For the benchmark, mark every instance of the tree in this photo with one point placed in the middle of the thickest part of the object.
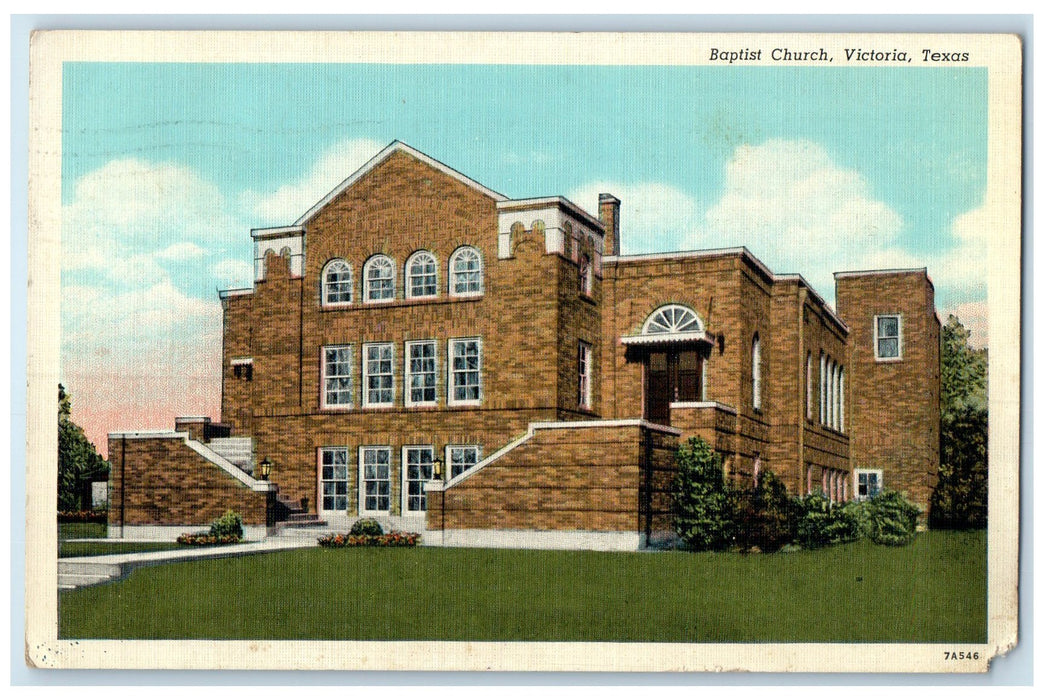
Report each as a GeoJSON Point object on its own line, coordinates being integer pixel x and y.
{"type": "Point", "coordinates": [78, 462]}
{"type": "Point", "coordinates": [703, 508]}
{"type": "Point", "coordinates": [959, 500]}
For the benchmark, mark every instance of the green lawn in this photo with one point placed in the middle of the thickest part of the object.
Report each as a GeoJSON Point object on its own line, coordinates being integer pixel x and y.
{"type": "Point", "coordinates": [74, 531]}
{"type": "Point", "coordinates": [932, 591]}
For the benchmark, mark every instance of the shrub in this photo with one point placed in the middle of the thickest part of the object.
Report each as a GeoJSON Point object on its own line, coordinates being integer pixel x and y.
{"type": "Point", "coordinates": [392, 539]}
{"type": "Point", "coordinates": [228, 525]}
{"type": "Point", "coordinates": [888, 519]}
{"type": "Point", "coordinates": [765, 515]}
{"type": "Point", "coordinates": [83, 516]}
{"type": "Point", "coordinates": [819, 524]}
{"type": "Point", "coordinates": [703, 505]}
{"type": "Point", "coordinates": [366, 526]}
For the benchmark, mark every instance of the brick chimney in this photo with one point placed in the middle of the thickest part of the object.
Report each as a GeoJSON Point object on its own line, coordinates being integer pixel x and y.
{"type": "Point", "coordinates": [609, 215]}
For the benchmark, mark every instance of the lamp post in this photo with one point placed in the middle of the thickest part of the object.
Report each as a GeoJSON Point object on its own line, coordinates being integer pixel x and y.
{"type": "Point", "coordinates": [265, 469]}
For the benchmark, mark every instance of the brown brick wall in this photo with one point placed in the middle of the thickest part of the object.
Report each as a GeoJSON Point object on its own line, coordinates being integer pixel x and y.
{"type": "Point", "coordinates": [168, 483]}
{"type": "Point", "coordinates": [565, 479]}
{"type": "Point", "coordinates": [894, 405]}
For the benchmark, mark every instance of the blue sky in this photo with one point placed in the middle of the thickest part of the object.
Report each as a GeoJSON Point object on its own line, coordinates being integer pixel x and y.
{"type": "Point", "coordinates": [166, 167]}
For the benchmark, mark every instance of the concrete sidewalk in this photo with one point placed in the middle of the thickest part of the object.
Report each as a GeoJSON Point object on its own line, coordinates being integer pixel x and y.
{"type": "Point", "coordinates": [76, 572]}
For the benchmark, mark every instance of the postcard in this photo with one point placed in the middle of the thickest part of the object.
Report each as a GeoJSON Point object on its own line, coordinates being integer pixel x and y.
{"type": "Point", "coordinates": [523, 351]}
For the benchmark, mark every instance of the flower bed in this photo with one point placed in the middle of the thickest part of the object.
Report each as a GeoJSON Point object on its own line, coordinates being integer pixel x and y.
{"type": "Point", "coordinates": [202, 539]}
{"type": "Point", "coordinates": [391, 539]}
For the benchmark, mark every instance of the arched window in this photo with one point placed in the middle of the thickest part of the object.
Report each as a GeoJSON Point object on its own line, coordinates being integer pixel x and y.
{"type": "Point", "coordinates": [379, 278]}
{"type": "Point", "coordinates": [841, 399]}
{"type": "Point", "coordinates": [673, 318]}
{"type": "Point", "coordinates": [421, 276]}
{"type": "Point", "coordinates": [755, 370]}
{"type": "Point", "coordinates": [465, 266]}
{"type": "Point", "coordinates": [337, 283]}
{"type": "Point", "coordinates": [585, 275]}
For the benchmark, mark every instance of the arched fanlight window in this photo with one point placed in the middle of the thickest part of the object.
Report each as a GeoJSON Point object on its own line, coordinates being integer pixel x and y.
{"type": "Point", "coordinates": [673, 318]}
{"type": "Point", "coordinates": [379, 278]}
{"type": "Point", "coordinates": [421, 275]}
{"type": "Point", "coordinates": [465, 268]}
{"type": "Point", "coordinates": [337, 283]}
{"type": "Point", "coordinates": [755, 370]}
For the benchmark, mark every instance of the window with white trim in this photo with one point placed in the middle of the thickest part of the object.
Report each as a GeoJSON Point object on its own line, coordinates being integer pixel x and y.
{"type": "Point", "coordinates": [809, 399]}
{"type": "Point", "coordinates": [822, 387]}
{"type": "Point", "coordinates": [421, 373]}
{"type": "Point", "coordinates": [421, 276]}
{"type": "Point", "coordinates": [374, 480]}
{"type": "Point", "coordinates": [243, 368]}
{"type": "Point", "coordinates": [888, 337]}
{"type": "Point", "coordinates": [379, 278]}
{"type": "Point", "coordinates": [586, 277]}
{"type": "Point", "coordinates": [337, 283]}
{"type": "Point", "coordinates": [841, 399]}
{"type": "Point", "coordinates": [378, 374]}
{"type": "Point", "coordinates": [337, 376]}
{"type": "Point", "coordinates": [869, 483]}
{"type": "Point", "coordinates": [465, 266]}
{"type": "Point", "coordinates": [584, 375]}
{"type": "Point", "coordinates": [465, 371]}
{"type": "Point", "coordinates": [755, 371]}
{"type": "Point", "coordinates": [461, 458]}
{"type": "Point", "coordinates": [418, 467]}
{"type": "Point", "coordinates": [333, 478]}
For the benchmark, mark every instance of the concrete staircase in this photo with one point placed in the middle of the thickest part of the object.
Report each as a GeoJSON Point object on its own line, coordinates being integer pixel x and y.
{"type": "Point", "coordinates": [238, 450]}
{"type": "Point", "coordinates": [296, 516]}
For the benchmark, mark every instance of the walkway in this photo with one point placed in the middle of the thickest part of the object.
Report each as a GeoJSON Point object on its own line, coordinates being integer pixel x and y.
{"type": "Point", "coordinates": [76, 572]}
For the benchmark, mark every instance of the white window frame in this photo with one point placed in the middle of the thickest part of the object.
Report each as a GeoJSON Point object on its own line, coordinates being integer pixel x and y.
{"type": "Point", "coordinates": [411, 276]}
{"type": "Point", "coordinates": [405, 492]}
{"type": "Point", "coordinates": [822, 387]}
{"type": "Point", "coordinates": [449, 458]}
{"type": "Point", "coordinates": [368, 373]}
{"type": "Point", "coordinates": [855, 483]}
{"type": "Point", "coordinates": [583, 362]}
{"type": "Point", "coordinates": [454, 273]}
{"type": "Point", "coordinates": [325, 285]}
{"type": "Point", "coordinates": [324, 378]}
{"type": "Point", "coordinates": [363, 510]}
{"type": "Point", "coordinates": [408, 373]}
{"type": "Point", "coordinates": [322, 481]}
{"type": "Point", "coordinates": [755, 371]}
{"type": "Point", "coordinates": [384, 261]}
{"type": "Point", "coordinates": [841, 399]}
{"type": "Point", "coordinates": [809, 387]}
{"type": "Point", "coordinates": [899, 338]}
{"type": "Point", "coordinates": [451, 373]}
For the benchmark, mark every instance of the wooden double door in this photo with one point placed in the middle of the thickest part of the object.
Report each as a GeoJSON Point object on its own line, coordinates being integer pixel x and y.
{"type": "Point", "coordinates": [672, 374]}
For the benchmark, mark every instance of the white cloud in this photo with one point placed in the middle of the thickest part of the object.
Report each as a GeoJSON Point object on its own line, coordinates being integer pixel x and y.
{"type": "Point", "coordinates": [233, 273]}
{"type": "Point", "coordinates": [289, 202]}
{"type": "Point", "coordinates": [655, 217]}
{"type": "Point", "coordinates": [185, 250]}
{"type": "Point", "coordinates": [137, 358]}
{"type": "Point", "coordinates": [962, 267]}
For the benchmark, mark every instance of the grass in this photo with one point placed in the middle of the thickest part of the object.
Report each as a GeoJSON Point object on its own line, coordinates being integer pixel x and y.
{"type": "Point", "coordinates": [931, 591]}
{"type": "Point", "coordinates": [75, 531]}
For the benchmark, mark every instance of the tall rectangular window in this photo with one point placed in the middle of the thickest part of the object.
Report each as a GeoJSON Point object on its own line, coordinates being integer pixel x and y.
{"type": "Point", "coordinates": [378, 379]}
{"type": "Point", "coordinates": [337, 376]}
{"type": "Point", "coordinates": [333, 477]}
{"type": "Point", "coordinates": [465, 371]}
{"type": "Point", "coordinates": [809, 400]}
{"type": "Point", "coordinates": [888, 338]}
{"type": "Point", "coordinates": [417, 471]}
{"type": "Point", "coordinates": [420, 373]}
{"type": "Point", "coordinates": [374, 480]}
{"type": "Point", "coordinates": [584, 372]}
{"type": "Point", "coordinates": [461, 458]}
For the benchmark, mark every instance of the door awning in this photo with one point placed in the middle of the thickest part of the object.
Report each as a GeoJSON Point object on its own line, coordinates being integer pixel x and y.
{"type": "Point", "coordinates": [668, 338]}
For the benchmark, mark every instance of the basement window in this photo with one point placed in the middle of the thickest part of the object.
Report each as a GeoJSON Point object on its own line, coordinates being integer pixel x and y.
{"type": "Point", "coordinates": [869, 483]}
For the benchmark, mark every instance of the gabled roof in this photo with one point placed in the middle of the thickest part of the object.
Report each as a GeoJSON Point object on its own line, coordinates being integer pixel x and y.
{"type": "Point", "coordinates": [389, 150]}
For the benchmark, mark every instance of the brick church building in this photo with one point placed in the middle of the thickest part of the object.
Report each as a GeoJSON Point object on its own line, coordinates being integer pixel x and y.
{"type": "Point", "coordinates": [421, 349]}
